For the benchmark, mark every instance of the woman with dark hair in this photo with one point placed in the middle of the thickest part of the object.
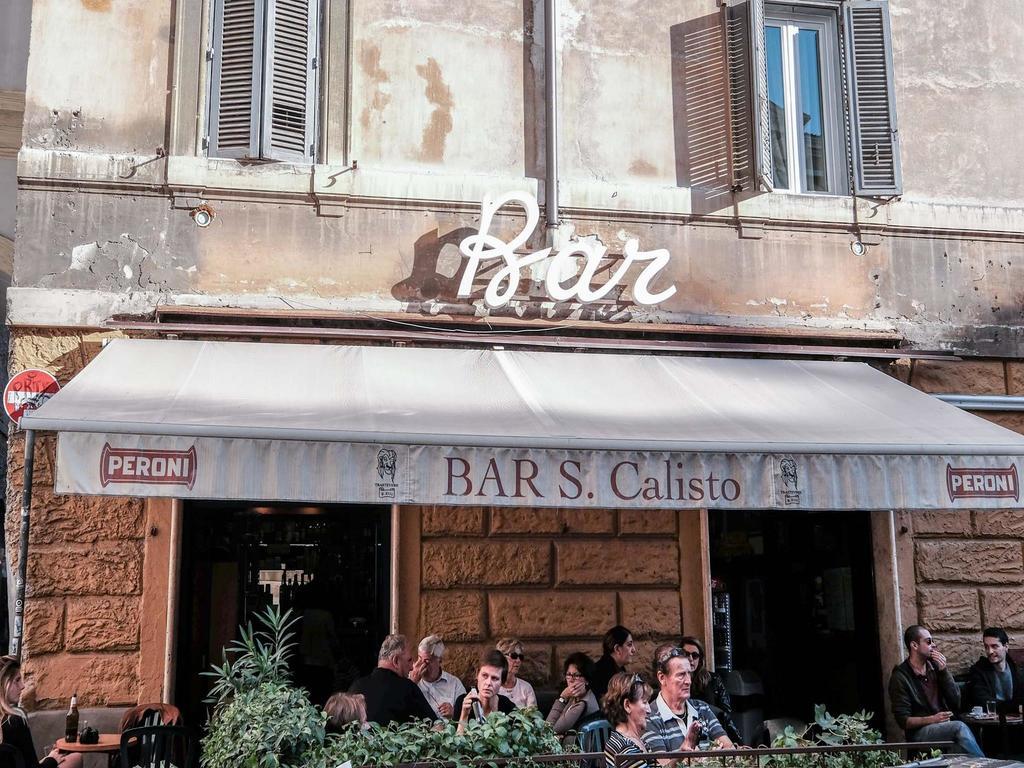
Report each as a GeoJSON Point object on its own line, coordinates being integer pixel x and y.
{"type": "Point", "coordinates": [619, 650]}
{"type": "Point", "coordinates": [625, 705]}
{"type": "Point", "coordinates": [14, 727]}
{"type": "Point", "coordinates": [491, 672]}
{"type": "Point", "coordinates": [576, 701]}
{"type": "Point", "coordinates": [708, 687]}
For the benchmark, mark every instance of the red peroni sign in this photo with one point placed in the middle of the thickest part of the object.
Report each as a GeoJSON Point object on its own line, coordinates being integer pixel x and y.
{"type": "Point", "coordinates": [966, 483]}
{"type": "Point", "coordinates": [144, 467]}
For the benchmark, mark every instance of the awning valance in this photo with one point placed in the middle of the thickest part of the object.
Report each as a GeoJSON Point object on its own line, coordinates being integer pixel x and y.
{"type": "Point", "coordinates": [323, 423]}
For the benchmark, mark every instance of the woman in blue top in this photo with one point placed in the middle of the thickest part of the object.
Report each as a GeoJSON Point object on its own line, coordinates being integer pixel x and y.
{"type": "Point", "coordinates": [625, 705]}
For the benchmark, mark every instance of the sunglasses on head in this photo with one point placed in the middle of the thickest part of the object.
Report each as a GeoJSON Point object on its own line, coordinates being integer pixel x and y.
{"type": "Point", "coordinates": [671, 653]}
{"type": "Point", "coordinates": [637, 683]}
{"type": "Point", "coordinates": [516, 656]}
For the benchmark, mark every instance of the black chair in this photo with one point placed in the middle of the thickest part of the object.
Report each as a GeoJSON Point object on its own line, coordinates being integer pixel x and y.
{"type": "Point", "coordinates": [10, 757]}
{"type": "Point", "coordinates": [157, 746]}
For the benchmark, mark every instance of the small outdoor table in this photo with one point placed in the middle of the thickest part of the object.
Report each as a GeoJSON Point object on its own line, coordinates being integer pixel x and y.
{"type": "Point", "coordinates": [108, 744]}
{"type": "Point", "coordinates": [982, 723]}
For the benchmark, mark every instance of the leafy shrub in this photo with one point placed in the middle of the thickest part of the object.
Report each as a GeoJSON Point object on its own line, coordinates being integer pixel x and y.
{"type": "Point", "coordinates": [830, 731]}
{"type": "Point", "coordinates": [270, 726]}
{"type": "Point", "coordinates": [519, 734]}
{"type": "Point", "coordinates": [259, 719]}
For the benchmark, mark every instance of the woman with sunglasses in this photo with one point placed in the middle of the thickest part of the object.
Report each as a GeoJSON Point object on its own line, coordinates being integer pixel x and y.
{"type": "Point", "coordinates": [515, 688]}
{"type": "Point", "coordinates": [625, 705]}
{"type": "Point", "coordinates": [14, 727]}
{"type": "Point", "coordinates": [576, 701]}
{"type": "Point", "coordinates": [708, 686]}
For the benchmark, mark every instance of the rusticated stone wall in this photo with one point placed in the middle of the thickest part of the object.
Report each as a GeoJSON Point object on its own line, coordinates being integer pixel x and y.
{"type": "Point", "coordinates": [968, 566]}
{"type": "Point", "coordinates": [969, 570]}
{"type": "Point", "coordinates": [85, 568]}
{"type": "Point", "coordinates": [557, 579]}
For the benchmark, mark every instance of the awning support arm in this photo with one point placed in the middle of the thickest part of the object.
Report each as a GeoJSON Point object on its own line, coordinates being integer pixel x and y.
{"type": "Point", "coordinates": [26, 505]}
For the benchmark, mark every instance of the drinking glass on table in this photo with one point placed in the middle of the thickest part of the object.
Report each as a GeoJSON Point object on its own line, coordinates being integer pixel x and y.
{"type": "Point", "coordinates": [990, 707]}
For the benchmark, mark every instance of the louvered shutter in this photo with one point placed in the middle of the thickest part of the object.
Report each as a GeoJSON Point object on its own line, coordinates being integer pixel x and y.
{"type": "Point", "coordinates": [289, 114]}
{"type": "Point", "coordinates": [762, 135]}
{"type": "Point", "coordinates": [741, 99]}
{"type": "Point", "coordinates": [748, 96]}
{"type": "Point", "coordinates": [236, 81]}
{"type": "Point", "coordinates": [875, 138]}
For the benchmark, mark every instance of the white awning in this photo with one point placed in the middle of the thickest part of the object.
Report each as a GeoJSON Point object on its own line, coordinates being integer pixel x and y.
{"type": "Point", "coordinates": [323, 423]}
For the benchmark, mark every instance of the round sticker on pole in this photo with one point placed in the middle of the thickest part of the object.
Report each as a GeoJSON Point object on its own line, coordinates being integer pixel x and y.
{"type": "Point", "coordinates": [28, 390]}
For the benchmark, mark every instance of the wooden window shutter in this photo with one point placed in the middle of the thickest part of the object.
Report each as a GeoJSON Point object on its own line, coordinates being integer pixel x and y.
{"type": "Point", "coordinates": [872, 101]}
{"type": "Point", "coordinates": [289, 111]}
{"type": "Point", "coordinates": [236, 82]}
{"type": "Point", "coordinates": [748, 96]}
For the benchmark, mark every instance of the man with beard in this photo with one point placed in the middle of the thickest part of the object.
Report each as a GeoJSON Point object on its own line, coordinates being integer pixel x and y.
{"type": "Point", "coordinates": [995, 676]}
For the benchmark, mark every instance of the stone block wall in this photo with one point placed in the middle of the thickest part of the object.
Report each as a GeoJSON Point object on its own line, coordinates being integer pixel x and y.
{"type": "Point", "coordinates": [969, 565]}
{"type": "Point", "coordinates": [555, 578]}
{"type": "Point", "coordinates": [85, 569]}
{"type": "Point", "coordinates": [969, 572]}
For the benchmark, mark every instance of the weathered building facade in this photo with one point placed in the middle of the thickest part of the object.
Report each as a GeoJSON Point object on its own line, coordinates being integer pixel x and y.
{"type": "Point", "coordinates": [345, 207]}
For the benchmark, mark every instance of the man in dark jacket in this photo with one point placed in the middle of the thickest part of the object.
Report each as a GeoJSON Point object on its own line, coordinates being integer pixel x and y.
{"type": "Point", "coordinates": [994, 676]}
{"type": "Point", "coordinates": [924, 697]}
{"type": "Point", "coordinates": [390, 695]}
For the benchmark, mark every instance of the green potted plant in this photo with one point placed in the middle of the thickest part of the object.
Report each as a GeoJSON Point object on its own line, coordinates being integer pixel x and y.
{"type": "Point", "coordinates": [259, 719]}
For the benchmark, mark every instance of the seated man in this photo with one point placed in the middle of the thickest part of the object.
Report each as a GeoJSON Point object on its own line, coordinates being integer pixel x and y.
{"type": "Point", "coordinates": [995, 676]}
{"type": "Point", "coordinates": [490, 674]}
{"type": "Point", "coordinates": [924, 696]}
{"type": "Point", "coordinates": [390, 695]}
{"type": "Point", "coordinates": [678, 723]}
{"type": "Point", "coordinates": [440, 689]}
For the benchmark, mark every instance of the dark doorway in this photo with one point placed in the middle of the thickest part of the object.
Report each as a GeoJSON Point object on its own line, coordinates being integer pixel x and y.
{"type": "Point", "coordinates": [329, 565]}
{"type": "Point", "coordinates": [801, 609]}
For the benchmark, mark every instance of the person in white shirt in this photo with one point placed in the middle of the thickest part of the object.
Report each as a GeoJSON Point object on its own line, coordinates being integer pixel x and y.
{"type": "Point", "coordinates": [439, 688]}
{"type": "Point", "coordinates": [518, 690]}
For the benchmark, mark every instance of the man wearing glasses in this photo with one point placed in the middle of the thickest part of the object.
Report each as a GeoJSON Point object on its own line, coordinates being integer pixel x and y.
{"type": "Point", "coordinates": [924, 696]}
{"type": "Point", "coordinates": [678, 723]}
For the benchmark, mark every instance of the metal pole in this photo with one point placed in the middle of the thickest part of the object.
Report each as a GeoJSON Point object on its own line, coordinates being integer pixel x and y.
{"type": "Point", "coordinates": [26, 504]}
{"type": "Point", "coordinates": [551, 114]}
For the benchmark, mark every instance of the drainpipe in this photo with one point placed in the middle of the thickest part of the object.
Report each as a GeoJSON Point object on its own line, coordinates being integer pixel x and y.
{"type": "Point", "coordinates": [26, 504]}
{"type": "Point", "coordinates": [551, 117]}
{"type": "Point", "coordinates": [984, 402]}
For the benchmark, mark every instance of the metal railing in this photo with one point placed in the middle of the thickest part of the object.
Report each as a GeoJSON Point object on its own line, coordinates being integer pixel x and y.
{"type": "Point", "coordinates": [760, 756]}
{"type": "Point", "coordinates": [719, 758]}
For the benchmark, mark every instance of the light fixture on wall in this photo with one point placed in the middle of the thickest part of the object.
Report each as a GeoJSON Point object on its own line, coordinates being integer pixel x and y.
{"type": "Point", "coordinates": [203, 215]}
{"type": "Point", "coordinates": [858, 248]}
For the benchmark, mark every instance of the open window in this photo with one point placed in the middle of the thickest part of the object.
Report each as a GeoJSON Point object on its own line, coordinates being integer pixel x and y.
{"type": "Point", "coordinates": [812, 108]}
{"type": "Point", "coordinates": [263, 83]}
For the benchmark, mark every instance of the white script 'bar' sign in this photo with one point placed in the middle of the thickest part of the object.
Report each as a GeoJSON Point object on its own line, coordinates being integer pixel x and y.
{"type": "Point", "coordinates": [502, 286]}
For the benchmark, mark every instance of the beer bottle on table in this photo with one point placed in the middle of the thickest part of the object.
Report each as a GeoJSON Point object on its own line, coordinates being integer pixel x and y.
{"type": "Point", "coordinates": [71, 723]}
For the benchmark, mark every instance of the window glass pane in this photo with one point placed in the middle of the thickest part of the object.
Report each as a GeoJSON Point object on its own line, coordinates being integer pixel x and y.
{"type": "Point", "coordinates": [808, 62]}
{"type": "Point", "coordinates": [776, 106]}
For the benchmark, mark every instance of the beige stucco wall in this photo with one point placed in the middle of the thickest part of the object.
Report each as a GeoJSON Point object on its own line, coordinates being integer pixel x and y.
{"type": "Point", "coordinates": [446, 105]}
